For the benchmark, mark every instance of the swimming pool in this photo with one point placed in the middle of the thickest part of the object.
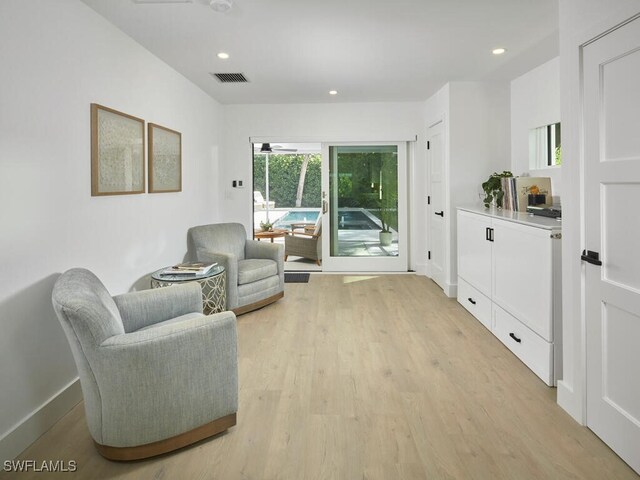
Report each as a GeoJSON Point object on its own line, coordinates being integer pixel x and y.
{"type": "Point", "coordinates": [297, 216]}
{"type": "Point", "coordinates": [348, 219]}
{"type": "Point", "coordinates": [357, 219]}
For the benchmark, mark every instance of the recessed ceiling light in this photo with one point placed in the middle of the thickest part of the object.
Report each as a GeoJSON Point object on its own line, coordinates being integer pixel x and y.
{"type": "Point", "coordinates": [498, 51]}
{"type": "Point", "coordinates": [333, 92]}
{"type": "Point", "coordinates": [223, 55]}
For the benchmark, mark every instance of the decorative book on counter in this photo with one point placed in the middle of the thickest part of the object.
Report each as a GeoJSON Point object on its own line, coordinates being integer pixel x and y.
{"type": "Point", "coordinates": [190, 268]}
{"type": "Point", "coordinates": [521, 192]}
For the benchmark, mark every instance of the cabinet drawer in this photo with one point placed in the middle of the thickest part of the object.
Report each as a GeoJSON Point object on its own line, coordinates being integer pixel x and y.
{"type": "Point", "coordinates": [529, 347]}
{"type": "Point", "coordinates": [478, 305]}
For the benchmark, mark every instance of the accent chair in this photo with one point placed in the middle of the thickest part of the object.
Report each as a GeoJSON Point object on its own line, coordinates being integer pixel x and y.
{"type": "Point", "coordinates": [255, 270]}
{"type": "Point", "coordinates": [156, 374]}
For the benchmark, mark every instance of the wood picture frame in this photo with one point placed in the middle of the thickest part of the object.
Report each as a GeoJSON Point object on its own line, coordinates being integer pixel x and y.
{"type": "Point", "coordinates": [117, 152]}
{"type": "Point", "coordinates": [165, 159]}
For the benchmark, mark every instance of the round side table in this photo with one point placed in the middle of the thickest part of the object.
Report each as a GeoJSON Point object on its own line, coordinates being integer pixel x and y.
{"type": "Point", "coordinates": [213, 285]}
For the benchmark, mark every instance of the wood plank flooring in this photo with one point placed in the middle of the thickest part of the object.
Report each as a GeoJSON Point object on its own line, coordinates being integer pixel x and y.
{"type": "Point", "coordinates": [371, 377]}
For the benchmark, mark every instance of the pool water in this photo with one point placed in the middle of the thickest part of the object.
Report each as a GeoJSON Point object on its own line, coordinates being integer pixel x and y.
{"type": "Point", "coordinates": [297, 216]}
{"type": "Point", "coordinates": [347, 219]}
{"type": "Point", "coordinates": [355, 220]}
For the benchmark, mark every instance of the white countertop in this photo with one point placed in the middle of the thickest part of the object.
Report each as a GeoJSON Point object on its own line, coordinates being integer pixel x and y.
{"type": "Point", "coordinates": [517, 217]}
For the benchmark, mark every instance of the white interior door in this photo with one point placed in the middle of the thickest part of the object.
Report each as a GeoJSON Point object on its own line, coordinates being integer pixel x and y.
{"type": "Point", "coordinates": [435, 211]}
{"type": "Point", "coordinates": [364, 188]}
{"type": "Point", "coordinates": [611, 72]}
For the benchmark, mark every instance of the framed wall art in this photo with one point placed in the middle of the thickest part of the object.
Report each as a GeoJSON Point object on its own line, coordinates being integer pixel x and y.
{"type": "Point", "coordinates": [117, 152]}
{"type": "Point", "coordinates": [165, 159]}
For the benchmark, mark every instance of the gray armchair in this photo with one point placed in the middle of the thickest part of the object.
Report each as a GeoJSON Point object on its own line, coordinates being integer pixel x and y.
{"type": "Point", "coordinates": [255, 270]}
{"type": "Point", "coordinates": [156, 374]}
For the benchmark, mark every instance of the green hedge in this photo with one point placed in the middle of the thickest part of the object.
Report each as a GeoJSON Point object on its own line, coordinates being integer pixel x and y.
{"type": "Point", "coordinates": [284, 173]}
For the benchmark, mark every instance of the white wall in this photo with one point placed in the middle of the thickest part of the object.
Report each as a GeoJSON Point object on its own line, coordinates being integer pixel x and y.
{"type": "Point", "coordinates": [479, 136]}
{"type": "Point", "coordinates": [56, 58]}
{"type": "Point", "coordinates": [477, 131]}
{"type": "Point", "coordinates": [580, 21]}
{"type": "Point", "coordinates": [318, 123]}
{"type": "Point", "coordinates": [535, 102]}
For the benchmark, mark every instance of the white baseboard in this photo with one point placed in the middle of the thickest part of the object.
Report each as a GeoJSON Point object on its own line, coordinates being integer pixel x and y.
{"type": "Point", "coordinates": [33, 426]}
{"type": "Point", "coordinates": [451, 290]}
{"type": "Point", "coordinates": [570, 402]}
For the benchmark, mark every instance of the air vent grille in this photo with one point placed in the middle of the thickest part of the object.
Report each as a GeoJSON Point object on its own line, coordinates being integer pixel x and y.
{"type": "Point", "coordinates": [230, 77]}
{"type": "Point", "coordinates": [151, 2]}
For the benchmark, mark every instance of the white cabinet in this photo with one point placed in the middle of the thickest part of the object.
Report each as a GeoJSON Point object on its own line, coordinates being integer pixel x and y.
{"type": "Point", "coordinates": [509, 279]}
{"type": "Point", "coordinates": [474, 250]}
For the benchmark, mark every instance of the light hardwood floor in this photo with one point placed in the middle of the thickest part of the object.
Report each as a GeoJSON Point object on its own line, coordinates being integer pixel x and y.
{"type": "Point", "coordinates": [378, 377]}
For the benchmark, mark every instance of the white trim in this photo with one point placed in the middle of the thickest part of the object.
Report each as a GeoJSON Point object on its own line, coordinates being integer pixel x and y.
{"type": "Point", "coordinates": [29, 429]}
{"type": "Point", "coordinates": [567, 398]}
{"type": "Point", "coordinates": [451, 290]}
{"type": "Point", "coordinates": [334, 139]}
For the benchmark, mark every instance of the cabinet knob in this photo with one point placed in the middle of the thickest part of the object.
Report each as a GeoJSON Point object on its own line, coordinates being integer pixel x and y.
{"type": "Point", "coordinates": [471, 300]}
{"type": "Point", "coordinates": [513, 335]}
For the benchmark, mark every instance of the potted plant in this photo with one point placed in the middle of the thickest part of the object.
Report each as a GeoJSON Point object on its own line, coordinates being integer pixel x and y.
{"type": "Point", "coordinates": [385, 234]}
{"type": "Point", "coordinates": [266, 226]}
{"type": "Point", "coordinates": [493, 189]}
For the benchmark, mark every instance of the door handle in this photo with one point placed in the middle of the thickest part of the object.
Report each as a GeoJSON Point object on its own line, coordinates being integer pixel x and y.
{"type": "Point", "coordinates": [513, 335]}
{"type": "Point", "coordinates": [488, 234]}
{"type": "Point", "coordinates": [440, 214]}
{"type": "Point", "coordinates": [591, 257]}
{"type": "Point", "coordinates": [325, 206]}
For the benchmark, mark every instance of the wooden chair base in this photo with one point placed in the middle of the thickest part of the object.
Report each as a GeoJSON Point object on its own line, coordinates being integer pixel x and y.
{"type": "Point", "coordinates": [126, 454]}
{"type": "Point", "coordinates": [259, 304]}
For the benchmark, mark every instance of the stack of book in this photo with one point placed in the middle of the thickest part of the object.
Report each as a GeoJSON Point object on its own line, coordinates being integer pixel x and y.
{"type": "Point", "coordinates": [190, 268]}
{"type": "Point", "coordinates": [517, 192]}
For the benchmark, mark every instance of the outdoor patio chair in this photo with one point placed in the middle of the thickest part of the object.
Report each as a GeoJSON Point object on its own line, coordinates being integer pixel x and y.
{"type": "Point", "coordinates": [305, 243]}
{"type": "Point", "coordinates": [259, 203]}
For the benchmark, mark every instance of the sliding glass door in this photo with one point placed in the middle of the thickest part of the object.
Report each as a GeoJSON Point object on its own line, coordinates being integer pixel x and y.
{"type": "Point", "coordinates": [364, 214]}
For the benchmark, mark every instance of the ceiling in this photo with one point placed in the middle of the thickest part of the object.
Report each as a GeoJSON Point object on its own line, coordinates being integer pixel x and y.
{"type": "Point", "coordinates": [295, 51]}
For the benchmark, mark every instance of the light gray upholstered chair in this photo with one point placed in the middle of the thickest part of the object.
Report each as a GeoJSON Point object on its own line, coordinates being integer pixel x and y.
{"type": "Point", "coordinates": [156, 374]}
{"type": "Point", "coordinates": [304, 244]}
{"type": "Point", "coordinates": [255, 270]}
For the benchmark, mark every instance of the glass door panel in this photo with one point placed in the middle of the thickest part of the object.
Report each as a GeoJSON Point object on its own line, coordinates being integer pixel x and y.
{"type": "Point", "coordinates": [365, 215]}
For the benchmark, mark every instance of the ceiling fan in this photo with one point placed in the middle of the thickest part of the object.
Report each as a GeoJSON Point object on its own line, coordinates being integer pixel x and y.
{"type": "Point", "coordinates": [268, 148]}
{"type": "Point", "coordinates": [221, 6]}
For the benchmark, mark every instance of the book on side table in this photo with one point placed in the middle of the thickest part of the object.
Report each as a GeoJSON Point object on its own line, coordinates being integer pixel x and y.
{"type": "Point", "coordinates": [190, 268]}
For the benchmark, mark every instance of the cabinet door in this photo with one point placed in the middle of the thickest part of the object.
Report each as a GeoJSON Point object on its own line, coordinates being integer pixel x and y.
{"type": "Point", "coordinates": [474, 250]}
{"type": "Point", "coordinates": [522, 274]}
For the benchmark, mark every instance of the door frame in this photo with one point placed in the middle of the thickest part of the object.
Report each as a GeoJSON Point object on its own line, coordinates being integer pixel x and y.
{"type": "Point", "coordinates": [367, 264]}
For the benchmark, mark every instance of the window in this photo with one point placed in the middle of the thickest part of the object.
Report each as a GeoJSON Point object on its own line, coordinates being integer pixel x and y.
{"type": "Point", "coordinates": [545, 147]}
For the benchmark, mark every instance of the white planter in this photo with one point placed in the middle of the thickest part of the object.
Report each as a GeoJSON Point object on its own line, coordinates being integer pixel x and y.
{"type": "Point", "coordinates": [385, 238]}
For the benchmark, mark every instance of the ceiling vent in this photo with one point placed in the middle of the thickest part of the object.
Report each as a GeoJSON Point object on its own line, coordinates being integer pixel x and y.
{"type": "Point", "coordinates": [148, 2]}
{"type": "Point", "coordinates": [230, 77]}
